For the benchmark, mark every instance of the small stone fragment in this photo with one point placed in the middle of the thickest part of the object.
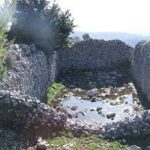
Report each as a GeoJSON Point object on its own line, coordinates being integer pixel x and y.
{"type": "Point", "coordinates": [93, 99]}
{"type": "Point", "coordinates": [100, 112]}
{"type": "Point", "coordinates": [126, 111]}
{"type": "Point", "coordinates": [92, 109]}
{"type": "Point", "coordinates": [76, 115]}
{"type": "Point", "coordinates": [74, 108]}
{"type": "Point", "coordinates": [83, 113]}
{"type": "Point", "coordinates": [111, 115]}
{"type": "Point", "coordinates": [91, 93]}
{"type": "Point", "coordinates": [99, 108]}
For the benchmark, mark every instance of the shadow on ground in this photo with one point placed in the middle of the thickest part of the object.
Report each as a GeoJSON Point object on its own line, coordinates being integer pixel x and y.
{"type": "Point", "coordinates": [88, 79]}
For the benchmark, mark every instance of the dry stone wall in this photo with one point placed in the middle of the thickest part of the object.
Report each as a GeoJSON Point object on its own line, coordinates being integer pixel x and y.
{"type": "Point", "coordinates": [31, 71]}
{"type": "Point", "coordinates": [95, 54]}
{"type": "Point", "coordinates": [141, 67]}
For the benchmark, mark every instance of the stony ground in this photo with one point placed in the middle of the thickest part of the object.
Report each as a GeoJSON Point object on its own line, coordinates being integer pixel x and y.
{"type": "Point", "coordinates": [10, 140]}
{"type": "Point", "coordinates": [66, 141]}
{"type": "Point", "coordinates": [103, 95]}
{"type": "Point", "coordinates": [92, 87]}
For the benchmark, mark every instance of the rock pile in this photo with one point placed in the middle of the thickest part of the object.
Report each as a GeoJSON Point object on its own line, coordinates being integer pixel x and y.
{"type": "Point", "coordinates": [135, 126]}
{"type": "Point", "coordinates": [25, 112]}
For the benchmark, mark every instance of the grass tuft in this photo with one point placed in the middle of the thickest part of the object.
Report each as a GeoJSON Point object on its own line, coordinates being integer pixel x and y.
{"type": "Point", "coordinates": [88, 142]}
{"type": "Point", "coordinates": [53, 90]}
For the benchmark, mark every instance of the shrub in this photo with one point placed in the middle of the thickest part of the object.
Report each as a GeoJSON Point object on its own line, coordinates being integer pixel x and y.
{"type": "Point", "coordinates": [42, 24]}
{"type": "Point", "coordinates": [5, 17]}
{"type": "Point", "coordinates": [86, 36]}
{"type": "Point", "coordinates": [2, 51]}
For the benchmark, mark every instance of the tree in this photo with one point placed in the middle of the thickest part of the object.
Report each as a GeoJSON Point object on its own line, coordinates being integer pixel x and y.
{"type": "Point", "coordinates": [86, 36]}
{"type": "Point", "coordinates": [42, 24]}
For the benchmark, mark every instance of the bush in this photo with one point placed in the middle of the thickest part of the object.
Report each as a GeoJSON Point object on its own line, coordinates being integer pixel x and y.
{"type": "Point", "coordinates": [5, 17]}
{"type": "Point", "coordinates": [2, 51]}
{"type": "Point", "coordinates": [86, 36]}
{"type": "Point", "coordinates": [42, 24]}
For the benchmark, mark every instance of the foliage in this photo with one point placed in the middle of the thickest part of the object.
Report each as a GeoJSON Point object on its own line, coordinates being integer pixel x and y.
{"type": "Point", "coordinates": [2, 52]}
{"type": "Point", "coordinates": [41, 23]}
{"type": "Point", "coordinates": [53, 90]}
{"type": "Point", "coordinates": [5, 18]}
{"type": "Point", "coordinates": [86, 36]}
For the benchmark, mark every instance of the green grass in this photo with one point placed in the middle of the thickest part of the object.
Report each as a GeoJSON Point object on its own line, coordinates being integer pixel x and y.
{"type": "Point", "coordinates": [89, 142]}
{"type": "Point", "coordinates": [11, 140]}
{"type": "Point", "coordinates": [53, 90]}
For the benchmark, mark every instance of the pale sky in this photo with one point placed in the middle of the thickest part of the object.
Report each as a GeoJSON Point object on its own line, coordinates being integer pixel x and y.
{"type": "Point", "coordinates": [131, 16]}
{"type": "Point", "coordinates": [1, 2]}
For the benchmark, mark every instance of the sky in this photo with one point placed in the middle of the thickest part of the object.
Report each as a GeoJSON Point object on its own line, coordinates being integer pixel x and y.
{"type": "Point", "coordinates": [1, 2]}
{"type": "Point", "coordinates": [130, 16]}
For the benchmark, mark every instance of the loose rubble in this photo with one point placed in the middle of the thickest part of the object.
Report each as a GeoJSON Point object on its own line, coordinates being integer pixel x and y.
{"type": "Point", "coordinates": [29, 114]}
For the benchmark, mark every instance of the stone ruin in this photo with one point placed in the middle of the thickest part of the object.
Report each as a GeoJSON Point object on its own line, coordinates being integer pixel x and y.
{"type": "Point", "coordinates": [31, 71]}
